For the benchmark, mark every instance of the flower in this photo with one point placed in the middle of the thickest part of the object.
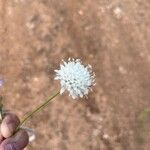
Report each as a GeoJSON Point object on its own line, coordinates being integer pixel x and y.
{"type": "Point", "coordinates": [76, 78]}
{"type": "Point", "coordinates": [1, 82]}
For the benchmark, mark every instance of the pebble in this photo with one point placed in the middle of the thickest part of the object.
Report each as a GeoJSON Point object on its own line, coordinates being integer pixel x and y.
{"type": "Point", "coordinates": [118, 12]}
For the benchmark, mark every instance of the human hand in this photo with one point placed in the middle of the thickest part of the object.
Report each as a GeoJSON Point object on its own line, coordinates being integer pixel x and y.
{"type": "Point", "coordinates": [8, 141]}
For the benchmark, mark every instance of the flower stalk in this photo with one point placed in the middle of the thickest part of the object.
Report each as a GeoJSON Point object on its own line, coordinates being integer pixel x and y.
{"type": "Point", "coordinates": [74, 77]}
{"type": "Point", "coordinates": [37, 109]}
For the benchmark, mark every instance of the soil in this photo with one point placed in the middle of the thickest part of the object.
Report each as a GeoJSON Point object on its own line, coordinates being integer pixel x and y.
{"type": "Point", "coordinates": [112, 36]}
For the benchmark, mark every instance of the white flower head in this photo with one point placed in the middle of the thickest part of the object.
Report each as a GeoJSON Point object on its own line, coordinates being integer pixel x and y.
{"type": "Point", "coordinates": [76, 78]}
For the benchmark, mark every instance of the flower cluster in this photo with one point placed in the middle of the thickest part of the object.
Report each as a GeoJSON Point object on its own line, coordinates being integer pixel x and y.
{"type": "Point", "coordinates": [76, 78]}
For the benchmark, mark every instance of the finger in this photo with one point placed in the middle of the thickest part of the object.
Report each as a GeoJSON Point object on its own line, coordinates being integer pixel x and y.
{"type": "Point", "coordinates": [1, 138]}
{"type": "Point", "coordinates": [17, 142]}
{"type": "Point", "coordinates": [9, 124]}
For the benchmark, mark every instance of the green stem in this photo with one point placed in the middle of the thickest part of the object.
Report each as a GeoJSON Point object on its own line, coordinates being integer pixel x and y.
{"type": "Point", "coordinates": [37, 109]}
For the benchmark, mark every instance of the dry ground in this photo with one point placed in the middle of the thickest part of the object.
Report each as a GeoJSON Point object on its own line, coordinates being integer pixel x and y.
{"type": "Point", "coordinates": [113, 36]}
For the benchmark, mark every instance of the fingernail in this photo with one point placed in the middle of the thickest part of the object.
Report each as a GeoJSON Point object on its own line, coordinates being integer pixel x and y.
{"type": "Point", "coordinates": [11, 125]}
{"type": "Point", "coordinates": [11, 146]}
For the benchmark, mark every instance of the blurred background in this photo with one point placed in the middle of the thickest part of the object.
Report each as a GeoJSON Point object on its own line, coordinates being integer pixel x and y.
{"type": "Point", "coordinates": [112, 36]}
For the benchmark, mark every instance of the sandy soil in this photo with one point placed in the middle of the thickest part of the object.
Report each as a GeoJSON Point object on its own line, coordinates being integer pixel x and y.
{"type": "Point", "coordinates": [112, 36]}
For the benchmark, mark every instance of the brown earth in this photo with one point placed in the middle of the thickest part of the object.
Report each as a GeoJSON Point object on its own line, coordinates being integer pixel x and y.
{"type": "Point", "coordinates": [112, 36]}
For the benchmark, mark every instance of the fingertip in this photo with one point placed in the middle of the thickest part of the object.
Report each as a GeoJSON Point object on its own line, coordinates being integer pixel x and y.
{"type": "Point", "coordinates": [18, 141]}
{"type": "Point", "coordinates": [9, 124]}
{"type": "Point", "coordinates": [22, 138]}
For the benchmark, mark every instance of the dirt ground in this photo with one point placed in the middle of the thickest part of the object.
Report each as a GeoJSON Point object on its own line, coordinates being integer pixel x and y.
{"type": "Point", "coordinates": [112, 36]}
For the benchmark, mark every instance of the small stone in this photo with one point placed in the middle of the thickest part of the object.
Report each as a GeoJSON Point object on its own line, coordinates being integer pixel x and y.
{"type": "Point", "coordinates": [35, 79]}
{"type": "Point", "coordinates": [122, 70]}
{"type": "Point", "coordinates": [30, 25]}
{"type": "Point", "coordinates": [142, 54]}
{"type": "Point", "coordinates": [96, 132]}
{"type": "Point", "coordinates": [80, 12]}
{"type": "Point", "coordinates": [106, 136]}
{"type": "Point", "coordinates": [118, 12]}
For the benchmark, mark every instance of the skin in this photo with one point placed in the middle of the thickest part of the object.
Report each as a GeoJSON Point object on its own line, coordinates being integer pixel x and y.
{"type": "Point", "coordinates": [9, 140]}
